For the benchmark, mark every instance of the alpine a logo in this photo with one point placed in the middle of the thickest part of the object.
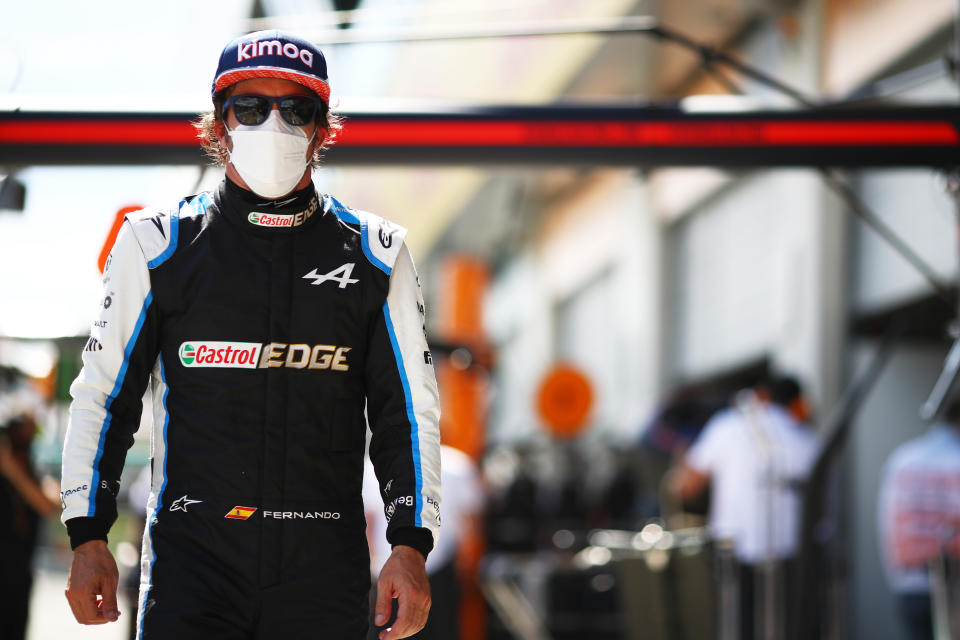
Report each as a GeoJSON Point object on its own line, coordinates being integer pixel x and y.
{"type": "Point", "coordinates": [340, 275]}
{"type": "Point", "coordinates": [253, 355]}
{"type": "Point", "coordinates": [228, 355]}
{"type": "Point", "coordinates": [256, 49]}
{"type": "Point", "coordinates": [283, 221]}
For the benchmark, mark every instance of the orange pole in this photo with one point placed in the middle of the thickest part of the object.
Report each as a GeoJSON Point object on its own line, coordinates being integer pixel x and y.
{"type": "Point", "coordinates": [112, 234]}
{"type": "Point", "coordinates": [463, 388]}
{"type": "Point", "coordinates": [463, 401]}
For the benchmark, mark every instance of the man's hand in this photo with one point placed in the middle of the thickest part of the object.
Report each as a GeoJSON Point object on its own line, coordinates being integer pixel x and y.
{"type": "Point", "coordinates": [687, 483]}
{"type": "Point", "coordinates": [403, 577]}
{"type": "Point", "coordinates": [94, 573]}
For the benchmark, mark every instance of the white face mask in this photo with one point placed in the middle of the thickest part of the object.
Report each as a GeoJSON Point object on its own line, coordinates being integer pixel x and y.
{"type": "Point", "coordinates": [270, 157]}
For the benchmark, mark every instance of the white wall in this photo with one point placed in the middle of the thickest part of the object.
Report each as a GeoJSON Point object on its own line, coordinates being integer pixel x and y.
{"type": "Point", "coordinates": [599, 268]}
{"type": "Point", "coordinates": [915, 205]}
{"type": "Point", "coordinates": [758, 271]}
{"type": "Point", "coordinates": [517, 318]}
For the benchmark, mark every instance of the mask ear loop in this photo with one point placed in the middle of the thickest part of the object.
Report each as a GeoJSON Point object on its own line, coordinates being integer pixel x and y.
{"type": "Point", "coordinates": [227, 131]}
{"type": "Point", "coordinates": [229, 134]}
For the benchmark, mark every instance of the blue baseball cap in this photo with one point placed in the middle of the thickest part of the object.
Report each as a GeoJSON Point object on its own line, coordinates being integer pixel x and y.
{"type": "Point", "coordinates": [272, 54]}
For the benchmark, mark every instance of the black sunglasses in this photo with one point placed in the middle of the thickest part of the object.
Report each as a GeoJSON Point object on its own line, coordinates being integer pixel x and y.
{"type": "Point", "coordinates": [251, 109]}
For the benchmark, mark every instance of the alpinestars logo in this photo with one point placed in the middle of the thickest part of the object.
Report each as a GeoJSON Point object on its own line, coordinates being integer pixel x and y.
{"type": "Point", "coordinates": [181, 503]}
{"type": "Point", "coordinates": [340, 275]}
{"type": "Point", "coordinates": [93, 345]}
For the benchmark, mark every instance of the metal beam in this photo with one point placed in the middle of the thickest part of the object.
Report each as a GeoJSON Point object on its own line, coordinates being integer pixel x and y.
{"type": "Point", "coordinates": [553, 135]}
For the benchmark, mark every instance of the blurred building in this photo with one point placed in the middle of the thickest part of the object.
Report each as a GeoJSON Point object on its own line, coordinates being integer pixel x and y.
{"type": "Point", "coordinates": [654, 279]}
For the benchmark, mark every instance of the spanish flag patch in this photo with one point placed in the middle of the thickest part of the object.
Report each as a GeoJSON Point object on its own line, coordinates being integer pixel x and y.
{"type": "Point", "coordinates": [240, 513]}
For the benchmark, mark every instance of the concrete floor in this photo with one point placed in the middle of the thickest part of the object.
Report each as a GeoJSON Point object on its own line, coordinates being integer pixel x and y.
{"type": "Point", "coordinates": [51, 619]}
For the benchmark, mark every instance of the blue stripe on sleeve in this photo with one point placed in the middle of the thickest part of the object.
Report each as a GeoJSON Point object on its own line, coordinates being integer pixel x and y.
{"type": "Point", "coordinates": [166, 421]}
{"type": "Point", "coordinates": [347, 215]}
{"type": "Point", "coordinates": [171, 247]}
{"type": "Point", "coordinates": [95, 480]}
{"type": "Point", "coordinates": [343, 213]}
{"type": "Point", "coordinates": [198, 208]}
{"type": "Point", "coordinates": [411, 416]}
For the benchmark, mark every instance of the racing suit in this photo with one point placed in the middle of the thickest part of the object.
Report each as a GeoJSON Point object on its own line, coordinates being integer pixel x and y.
{"type": "Point", "coordinates": [264, 330]}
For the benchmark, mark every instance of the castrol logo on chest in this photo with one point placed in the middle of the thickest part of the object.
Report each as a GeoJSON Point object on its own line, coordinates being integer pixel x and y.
{"type": "Point", "coordinates": [231, 355]}
{"type": "Point", "coordinates": [261, 219]}
{"type": "Point", "coordinates": [253, 355]}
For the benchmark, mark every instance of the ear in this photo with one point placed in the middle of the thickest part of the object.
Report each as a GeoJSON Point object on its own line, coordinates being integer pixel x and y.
{"type": "Point", "coordinates": [221, 130]}
{"type": "Point", "coordinates": [319, 139]}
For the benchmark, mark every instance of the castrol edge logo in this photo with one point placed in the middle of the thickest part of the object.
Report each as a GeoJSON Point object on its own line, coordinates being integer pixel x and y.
{"type": "Point", "coordinates": [261, 219]}
{"type": "Point", "coordinates": [270, 220]}
{"type": "Point", "coordinates": [230, 355]}
{"type": "Point", "coordinates": [253, 355]}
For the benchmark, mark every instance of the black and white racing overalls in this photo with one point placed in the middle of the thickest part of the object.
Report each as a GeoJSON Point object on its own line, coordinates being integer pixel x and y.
{"type": "Point", "coordinates": [265, 331]}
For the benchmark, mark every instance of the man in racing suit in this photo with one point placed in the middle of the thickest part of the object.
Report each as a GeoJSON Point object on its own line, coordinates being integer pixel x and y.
{"type": "Point", "coordinates": [266, 319]}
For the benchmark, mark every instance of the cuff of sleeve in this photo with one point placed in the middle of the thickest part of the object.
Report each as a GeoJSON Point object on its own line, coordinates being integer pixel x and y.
{"type": "Point", "coordinates": [83, 530]}
{"type": "Point", "coordinates": [417, 537]}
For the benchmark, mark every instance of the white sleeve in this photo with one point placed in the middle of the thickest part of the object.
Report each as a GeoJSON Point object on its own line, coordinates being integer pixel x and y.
{"type": "Point", "coordinates": [404, 407]}
{"type": "Point", "coordinates": [707, 450]}
{"type": "Point", "coordinates": [107, 394]}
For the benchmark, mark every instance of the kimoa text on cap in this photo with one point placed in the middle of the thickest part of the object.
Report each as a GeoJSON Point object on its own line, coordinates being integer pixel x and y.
{"type": "Point", "coordinates": [256, 49]}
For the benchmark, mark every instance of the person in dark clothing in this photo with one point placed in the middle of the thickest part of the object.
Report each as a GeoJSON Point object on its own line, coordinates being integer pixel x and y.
{"type": "Point", "coordinates": [23, 504]}
{"type": "Point", "coordinates": [272, 323]}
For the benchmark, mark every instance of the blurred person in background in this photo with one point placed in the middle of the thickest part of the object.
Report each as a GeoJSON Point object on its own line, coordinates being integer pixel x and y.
{"type": "Point", "coordinates": [463, 500]}
{"type": "Point", "coordinates": [754, 456]}
{"type": "Point", "coordinates": [268, 319]}
{"type": "Point", "coordinates": [666, 437]}
{"type": "Point", "coordinates": [22, 504]}
{"type": "Point", "coordinates": [919, 516]}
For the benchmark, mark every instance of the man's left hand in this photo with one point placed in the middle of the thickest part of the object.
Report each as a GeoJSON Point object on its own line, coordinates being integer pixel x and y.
{"type": "Point", "coordinates": [403, 577]}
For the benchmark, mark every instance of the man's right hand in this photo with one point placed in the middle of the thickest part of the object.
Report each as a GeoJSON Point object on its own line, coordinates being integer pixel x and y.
{"type": "Point", "coordinates": [93, 573]}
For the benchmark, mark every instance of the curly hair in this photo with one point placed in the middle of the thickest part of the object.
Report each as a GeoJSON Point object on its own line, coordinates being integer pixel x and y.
{"type": "Point", "coordinates": [326, 119]}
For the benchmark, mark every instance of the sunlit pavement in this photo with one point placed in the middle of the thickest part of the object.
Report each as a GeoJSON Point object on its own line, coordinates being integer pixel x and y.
{"type": "Point", "coordinates": [50, 617]}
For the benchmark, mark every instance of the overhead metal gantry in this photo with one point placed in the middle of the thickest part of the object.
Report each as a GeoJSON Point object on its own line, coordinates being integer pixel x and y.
{"type": "Point", "coordinates": [887, 136]}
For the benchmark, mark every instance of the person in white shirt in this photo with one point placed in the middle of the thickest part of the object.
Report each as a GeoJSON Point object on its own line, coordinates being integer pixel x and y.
{"type": "Point", "coordinates": [463, 500]}
{"type": "Point", "coordinates": [919, 516]}
{"type": "Point", "coordinates": [754, 456]}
